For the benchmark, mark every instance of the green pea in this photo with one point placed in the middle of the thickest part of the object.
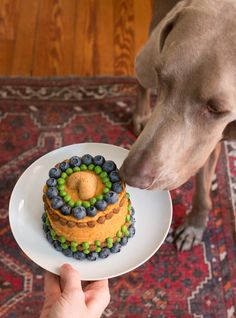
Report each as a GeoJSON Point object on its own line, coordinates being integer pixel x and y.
{"type": "Point", "coordinates": [98, 249]}
{"type": "Point", "coordinates": [106, 179]}
{"type": "Point", "coordinates": [91, 166]}
{"type": "Point", "coordinates": [47, 221]}
{"type": "Point", "coordinates": [64, 175]}
{"type": "Point", "coordinates": [76, 169]}
{"type": "Point", "coordinates": [52, 232]}
{"type": "Point", "coordinates": [74, 244]}
{"type": "Point", "coordinates": [127, 195]}
{"type": "Point", "coordinates": [118, 239]}
{"type": "Point", "coordinates": [119, 234]}
{"type": "Point", "coordinates": [71, 203]}
{"type": "Point", "coordinates": [62, 193]}
{"type": "Point", "coordinates": [93, 201]}
{"type": "Point", "coordinates": [129, 207]}
{"type": "Point", "coordinates": [61, 187]}
{"type": "Point", "coordinates": [67, 198]}
{"type": "Point", "coordinates": [99, 197]}
{"type": "Point", "coordinates": [124, 228]}
{"type": "Point", "coordinates": [105, 190]}
{"type": "Point", "coordinates": [97, 243]}
{"type": "Point", "coordinates": [103, 174]}
{"type": "Point", "coordinates": [83, 167]}
{"type": "Point", "coordinates": [78, 203]}
{"type": "Point", "coordinates": [62, 239]}
{"type": "Point", "coordinates": [60, 181]}
{"type": "Point", "coordinates": [85, 245]}
{"type": "Point", "coordinates": [109, 240]}
{"type": "Point", "coordinates": [73, 248]}
{"type": "Point", "coordinates": [127, 218]}
{"type": "Point", "coordinates": [64, 246]}
{"type": "Point", "coordinates": [98, 169]}
{"type": "Point", "coordinates": [69, 171]}
{"type": "Point", "coordinates": [86, 251]}
{"type": "Point", "coordinates": [109, 245]}
{"type": "Point", "coordinates": [108, 184]}
{"type": "Point", "coordinates": [126, 233]}
{"type": "Point", "coordinates": [86, 204]}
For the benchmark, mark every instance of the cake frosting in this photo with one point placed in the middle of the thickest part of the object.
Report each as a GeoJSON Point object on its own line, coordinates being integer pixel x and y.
{"type": "Point", "coordinates": [88, 213]}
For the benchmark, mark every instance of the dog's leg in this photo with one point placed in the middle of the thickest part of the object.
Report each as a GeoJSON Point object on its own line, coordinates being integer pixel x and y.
{"type": "Point", "coordinates": [190, 233]}
{"type": "Point", "coordinates": [142, 111]}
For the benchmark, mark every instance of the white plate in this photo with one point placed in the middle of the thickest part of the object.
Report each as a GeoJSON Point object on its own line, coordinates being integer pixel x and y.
{"type": "Point", "coordinates": [153, 218]}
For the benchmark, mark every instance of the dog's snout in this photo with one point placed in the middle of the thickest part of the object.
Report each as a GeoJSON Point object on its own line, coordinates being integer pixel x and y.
{"type": "Point", "coordinates": [136, 175]}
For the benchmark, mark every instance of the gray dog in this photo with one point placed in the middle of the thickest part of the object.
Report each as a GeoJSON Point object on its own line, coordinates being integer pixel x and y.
{"type": "Point", "coordinates": [190, 59]}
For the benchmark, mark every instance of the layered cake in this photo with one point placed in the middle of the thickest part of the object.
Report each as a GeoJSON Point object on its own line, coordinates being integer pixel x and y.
{"type": "Point", "coordinates": [88, 213]}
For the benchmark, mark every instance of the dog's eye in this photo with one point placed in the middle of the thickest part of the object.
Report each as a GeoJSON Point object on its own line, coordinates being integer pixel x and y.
{"type": "Point", "coordinates": [213, 107]}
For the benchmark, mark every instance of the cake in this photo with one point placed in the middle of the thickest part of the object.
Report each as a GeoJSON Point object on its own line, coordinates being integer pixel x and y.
{"type": "Point", "coordinates": [88, 213]}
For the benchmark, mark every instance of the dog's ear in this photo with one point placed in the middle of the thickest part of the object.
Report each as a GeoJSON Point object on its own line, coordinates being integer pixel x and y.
{"type": "Point", "coordinates": [148, 57]}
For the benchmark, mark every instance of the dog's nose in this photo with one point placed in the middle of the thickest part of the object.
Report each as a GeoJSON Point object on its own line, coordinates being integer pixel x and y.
{"type": "Point", "coordinates": [135, 175]}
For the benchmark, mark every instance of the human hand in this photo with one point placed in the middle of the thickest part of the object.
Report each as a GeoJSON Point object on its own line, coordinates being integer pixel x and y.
{"type": "Point", "coordinates": [64, 296]}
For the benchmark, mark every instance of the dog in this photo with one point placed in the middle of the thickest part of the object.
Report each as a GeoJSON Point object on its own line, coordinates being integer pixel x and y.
{"type": "Point", "coordinates": [190, 59]}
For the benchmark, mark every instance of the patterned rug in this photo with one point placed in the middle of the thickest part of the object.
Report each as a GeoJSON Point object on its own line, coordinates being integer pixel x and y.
{"type": "Point", "coordinates": [38, 115]}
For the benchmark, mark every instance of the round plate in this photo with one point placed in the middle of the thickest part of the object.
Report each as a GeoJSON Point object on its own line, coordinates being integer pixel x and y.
{"type": "Point", "coordinates": [153, 217]}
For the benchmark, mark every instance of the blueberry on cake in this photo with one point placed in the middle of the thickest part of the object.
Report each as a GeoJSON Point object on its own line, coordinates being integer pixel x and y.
{"type": "Point", "coordinates": [88, 213]}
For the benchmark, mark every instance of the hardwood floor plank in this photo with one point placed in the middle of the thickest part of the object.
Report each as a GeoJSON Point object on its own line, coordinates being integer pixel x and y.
{"type": "Point", "coordinates": [25, 38]}
{"type": "Point", "coordinates": [54, 38]}
{"type": "Point", "coordinates": [8, 18]}
{"type": "Point", "coordinates": [104, 41]}
{"type": "Point", "coordinates": [123, 37]}
{"type": "Point", "coordinates": [83, 58]}
{"type": "Point", "coordinates": [6, 49]}
{"type": "Point", "coordinates": [142, 16]}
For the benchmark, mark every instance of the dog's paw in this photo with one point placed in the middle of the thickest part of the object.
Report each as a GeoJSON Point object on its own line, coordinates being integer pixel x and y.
{"type": "Point", "coordinates": [186, 236]}
{"type": "Point", "coordinates": [139, 122]}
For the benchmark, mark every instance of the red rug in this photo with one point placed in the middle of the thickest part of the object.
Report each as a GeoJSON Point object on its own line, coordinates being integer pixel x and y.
{"type": "Point", "coordinates": [38, 115]}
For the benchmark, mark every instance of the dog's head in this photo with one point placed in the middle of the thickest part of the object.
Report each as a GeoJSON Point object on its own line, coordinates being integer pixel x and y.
{"type": "Point", "coordinates": [190, 58]}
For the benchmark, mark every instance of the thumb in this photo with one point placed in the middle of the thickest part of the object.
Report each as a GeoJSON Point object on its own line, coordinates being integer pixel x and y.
{"type": "Point", "coordinates": [70, 279]}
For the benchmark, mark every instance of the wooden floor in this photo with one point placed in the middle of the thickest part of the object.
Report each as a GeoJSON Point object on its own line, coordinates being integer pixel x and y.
{"type": "Point", "coordinates": [71, 37]}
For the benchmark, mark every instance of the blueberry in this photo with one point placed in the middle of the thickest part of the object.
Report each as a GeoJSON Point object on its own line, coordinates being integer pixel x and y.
{"type": "Point", "coordinates": [79, 212]}
{"type": "Point", "coordinates": [64, 165]}
{"type": "Point", "coordinates": [98, 160]}
{"type": "Point", "coordinates": [111, 197]}
{"type": "Point", "coordinates": [116, 248]}
{"type": "Point", "coordinates": [67, 252]}
{"type": "Point", "coordinates": [114, 176]}
{"type": "Point", "coordinates": [57, 246]}
{"type": "Point", "coordinates": [57, 202]}
{"type": "Point", "coordinates": [105, 252]}
{"type": "Point", "coordinates": [51, 182]}
{"type": "Point", "coordinates": [109, 166]}
{"type": "Point", "coordinates": [117, 187]}
{"type": "Point", "coordinates": [132, 220]}
{"type": "Point", "coordinates": [93, 256]}
{"type": "Point", "coordinates": [124, 240]}
{"type": "Point", "coordinates": [101, 205]}
{"type": "Point", "coordinates": [87, 159]}
{"type": "Point", "coordinates": [54, 173]}
{"type": "Point", "coordinates": [45, 228]}
{"type": "Point", "coordinates": [49, 238]}
{"type": "Point", "coordinates": [75, 161]}
{"type": "Point", "coordinates": [91, 211]}
{"type": "Point", "coordinates": [131, 231]}
{"type": "Point", "coordinates": [79, 255]}
{"type": "Point", "coordinates": [132, 211]}
{"type": "Point", "coordinates": [65, 209]}
{"type": "Point", "coordinates": [43, 217]}
{"type": "Point", "coordinates": [52, 192]}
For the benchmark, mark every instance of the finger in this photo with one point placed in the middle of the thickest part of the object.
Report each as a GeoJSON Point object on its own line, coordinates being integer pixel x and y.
{"type": "Point", "coordinates": [51, 284]}
{"type": "Point", "coordinates": [97, 296]}
{"type": "Point", "coordinates": [70, 278]}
